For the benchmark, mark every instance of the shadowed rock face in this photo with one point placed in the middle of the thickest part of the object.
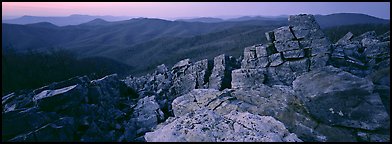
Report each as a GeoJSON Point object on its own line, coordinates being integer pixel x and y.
{"type": "Point", "coordinates": [296, 87]}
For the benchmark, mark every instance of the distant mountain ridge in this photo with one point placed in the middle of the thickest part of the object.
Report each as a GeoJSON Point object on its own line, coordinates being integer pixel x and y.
{"type": "Point", "coordinates": [336, 19]}
{"type": "Point", "coordinates": [202, 19]}
{"type": "Point", "coordinates": [339, 19]}
{"type": "Point", "coordinates": [150, 40]}
{"type": "Point", "coordinates": [331, 20]}
{"type": "Point", "coordinates": [62, 21]}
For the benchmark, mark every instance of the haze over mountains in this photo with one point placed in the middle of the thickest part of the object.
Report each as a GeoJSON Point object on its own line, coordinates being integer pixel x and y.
{"type": "Point", "coordinates": [62, 21]}
{"type": "Point", "coordinates": [152, 41]}
{"type": "Point", "coordinates": [325, 20]}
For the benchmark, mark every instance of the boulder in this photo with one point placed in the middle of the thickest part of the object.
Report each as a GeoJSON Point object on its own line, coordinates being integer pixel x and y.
{"type": "Point", "coordinates": [345, 39]}
{"type": "Point", "coordinates": [147, 114]}
{"type": "Point", "coordinates": [336, 97]}
{"type": "Point", "coordinates": [60, 99]}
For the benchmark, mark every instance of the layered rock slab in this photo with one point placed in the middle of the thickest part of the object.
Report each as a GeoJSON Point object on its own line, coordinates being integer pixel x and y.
{"type": "Point", "coordinates": [207, 126]}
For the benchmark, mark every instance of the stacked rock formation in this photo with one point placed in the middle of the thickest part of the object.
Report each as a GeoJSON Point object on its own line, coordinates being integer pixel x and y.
{"type": "Point", "coordinates": [297, 87]}
{"type": "Point", "coordinates": [292, 50]}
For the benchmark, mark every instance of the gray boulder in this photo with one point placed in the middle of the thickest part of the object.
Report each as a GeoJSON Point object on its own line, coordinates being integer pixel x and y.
{"type": "Point", "coordinates": [336, 97]}
{"type": "Point", "coordinates": [60, 99]}
{"type": "Point", "coordinates": [147, 114]}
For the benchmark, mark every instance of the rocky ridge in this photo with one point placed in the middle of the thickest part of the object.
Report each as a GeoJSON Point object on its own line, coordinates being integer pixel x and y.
{"type": "Point", "coordinates": [297, 87]}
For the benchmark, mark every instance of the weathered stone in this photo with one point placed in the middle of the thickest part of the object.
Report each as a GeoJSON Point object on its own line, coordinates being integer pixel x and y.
{"type": "Point", "coordinates": [221, 73]}
{"type": "Point", "coordinates": [300, 66]}
{"type": "Point", "coordinates": [369, 35]}
{"type": "Point", "coordinates": [301, 32]}
{"type": "Point", "coordinates": [339, 98]}
{"type": "Point", "coordinates": [270, 36]}
{"type": "Point", "coordinates": [250, 53]}
{"type": "Point", "coordinates": [320, 46]}
{"type": "Point", "coordinates": [286, 45]}
{"type": "Point", "coordinates": [318, 61]}
{"type": "Point", "coordinates": [384, 37]}
{"type": "Point", "coordinates": [105, 91]}
{"type": "Point", "coordinates": [275, 59]}
{"type": "Point", "coordinates": [199, 70]}
{"type": "Point", "coordinates": [269, 101]}
{"type": "Point", "coordinates": [218, 71]}
{"type": "Point", "coordinates": [285, 73]}
{"type": "Point", "coordinates": [271, 77]}
{"type": "Point", "coordinates": [60, 99]}
{"type": "Point", "coordinates": [377, 50]}
{"type": "Point", "coordinates": [206, 125]}
{"type": "Point", "coordinates": [345, 39]}
{"type": "Point", "coordinates": [303, 20]}
{"type": "Point", "coordinates": [161, 69]}
{"type": "Point", "coordinates": [184, 84]}
{"type": "Point", "coordinates": [193, 76]}
{"type": "Point", "coordinates": [147, 113]}
{"type": "Point", "coordinates": [261, 51]}
{"type": "Point", "coordinates": [245, 78]}
{"type": "Point", "coordinates": [255, 57]}
{"type": "Point", "coordinates": [369, 41]}
{"type": "Point", "coordinates": [181, 64]}
{"type": "Point", "coordinates": [83, 80]}
{"type": "Point", "coordinates": [260, 62]}
{"type": "Point", "coordinates": [283, 34]}
{"type": "Point", "coordinates": [294, 54]}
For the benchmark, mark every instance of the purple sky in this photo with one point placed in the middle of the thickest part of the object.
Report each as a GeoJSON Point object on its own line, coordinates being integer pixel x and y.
{"type": "Point", "coordinates": [192, 9]}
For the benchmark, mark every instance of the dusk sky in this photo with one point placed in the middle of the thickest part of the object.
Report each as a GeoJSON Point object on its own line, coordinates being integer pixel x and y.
{"type": "Point", "coordinates": [192, 9]}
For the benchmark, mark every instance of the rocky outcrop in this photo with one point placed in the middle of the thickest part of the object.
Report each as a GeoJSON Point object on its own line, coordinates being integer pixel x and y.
{"type": "Point", "coordinates": [296, 87]}
{"type": "Point", "coordinates": [367, 56]}
{"type": "Point", "coordinates": [362, 54]}
{"type": "Point", "coordinates": [147, 114]}
{"type": "Point", "coordinates": [80, 111]}
{"type": "Point", "coordinates": [292, 50]}
{"type": "Point", "coordinates": [221, 73]}
{"type": "Point", "coordinates": [336, 97]}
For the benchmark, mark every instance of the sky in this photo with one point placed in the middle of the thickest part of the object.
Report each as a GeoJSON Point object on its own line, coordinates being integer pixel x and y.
{"type": "Point", "coordinates": [170, 10]}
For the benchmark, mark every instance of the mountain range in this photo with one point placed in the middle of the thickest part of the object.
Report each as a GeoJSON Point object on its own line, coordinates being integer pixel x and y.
{"type": "Point", "coordinates": [143, 43]}
{"type": "Point", "coordinates": [75, 19]}
{"type": "Point", "coordinates": [330, 20]}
